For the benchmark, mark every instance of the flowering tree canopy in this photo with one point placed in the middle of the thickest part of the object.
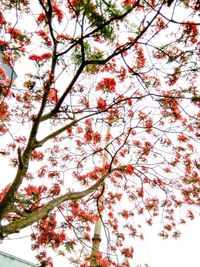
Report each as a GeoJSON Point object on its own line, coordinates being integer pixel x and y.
{"type": "Point", "coordinates": [105, 111]}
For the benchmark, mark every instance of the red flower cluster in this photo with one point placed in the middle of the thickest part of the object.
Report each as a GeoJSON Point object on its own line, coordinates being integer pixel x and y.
{"type": "Point", "coordinates": [115, 196]}
{"type": "Point", "coordinates": [4, 43]}
{"type": "Point", "coordinates": [101, 104]}
{"type": "Point", "coordinates": [102, 261]}
{"type": "Point", "coordinates": [83, 215]}
{"type": "Point", "coordinates": [41, 18]}
{"type": "Point", "coordinates": [191, 31]}
{"type": "Point", "coordinates": [129, 169]}
{"type": "Point", "coordinates": [37, 155]}
{"type": "Point", "coordinates": [149, 125]}
{"type": "Point", "coordinates": [4, 191]}
{"type": "Point", "coordinates": [45, 37]}
{"type": "Point", "coordinates": [152, 204]}
{"type": "Point", "coordinates": [129, 3]}
{"type": "Point", "coordinates": [2, 19]}
{"type": "Point", "coordinates": [125, 214]}
{"type": "Point", "coordinates": [48, 233]}
{"type": "Point", "coordinates": [88, 134]}
{"type": "Point", "coordinates": [44, 56]}
{"type": "Point", "coordinates": [15, 33]}
{"type": "Point", "coordinates": [182, 138]}
{"type": "Point", "coordinates": [58, 12]}
{"type": "Point", "coordinates": [128, 252]}
{"type": "Point", "coordinates": [113, 114]}
{"type": "Point", "coordinates": [140, 62]}
{"type": "Point", "coordinates": [44, 260]}
{"type": "Point", "coordinates": [3, 129]}
{"type": "Point", "coordinates": [34, 190]}
{"type": "Point", "coordinates": [160, 23]}
{"type": "Point", "coordinates": [53, 174]}
{"type": "Point", "coordinates": [4, 114]}
{"type": "Point", "coordinates": [171, 107]}
{"type": "Point", "coordinates": [122, 75]}
{"type": "Point", "coordinates": [53, 97]}
{"type": "Point", "coordinates": [107, 85]}
{"type": "Point", "coordinates": [74, 2]}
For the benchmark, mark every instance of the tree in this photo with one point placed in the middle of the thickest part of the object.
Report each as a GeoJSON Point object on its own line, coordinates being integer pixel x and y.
{"type": "Point", "coordinates": [131, 66]}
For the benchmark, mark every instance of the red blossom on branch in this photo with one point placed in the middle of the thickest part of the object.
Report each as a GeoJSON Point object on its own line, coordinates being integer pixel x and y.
{"type": "Point", "coordinates": [15, 33]}
{"type": "Point", "coordinates": [129, 3]}
{"type": "Point", "coordinates": [42, 57]}
{"type": "Point", "coordinates": [58, 12]}
{"type": "Point", "coordinates": [182, 138]}
{"type": "Point", "coordinates": [129, 169]}
{"type": "Point", "coordinates": [101, 104]}
{"type": "Point", "coordinates": [191, 31]}
{"type": "Point", "coordinates": [52, 95]}
{"type": "Point", "coordinates": [4, 113]}
{"type": "Point", "coordinates": [45, 37]}
{"type": "Point", "coordinates": [128, 252]}
{"type": "Point", "coordinates": [37, 155]}
{"type": "Point", "coordinates": [107, 85]}
{"type": "Point", "coordinates": [41, 18]}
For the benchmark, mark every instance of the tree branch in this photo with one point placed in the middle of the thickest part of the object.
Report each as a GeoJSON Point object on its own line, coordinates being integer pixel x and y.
{"type": "Point", "coordinates": [54, 134]}
{"type": "Point", "coordinates": [42, 212]}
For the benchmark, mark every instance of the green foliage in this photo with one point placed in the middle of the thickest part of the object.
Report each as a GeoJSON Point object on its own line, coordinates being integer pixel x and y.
{"type": "Point", "coordinates": [69, 246]}
{"type": "Point", "coordinates": [88, 54]}
{"type": "Point", "coordinates": [195, 98]}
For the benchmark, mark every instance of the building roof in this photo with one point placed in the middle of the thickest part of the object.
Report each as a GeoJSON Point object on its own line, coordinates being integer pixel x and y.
{"type": "Point", "coordinates": [13, 261]}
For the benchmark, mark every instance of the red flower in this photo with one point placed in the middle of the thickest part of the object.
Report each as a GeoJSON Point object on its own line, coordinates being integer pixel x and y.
{"type": "Point", "coordinates": [3, 129]}
{"type": "Point", "coordinates": [101, 104]}
{"type": "Point", "coordinates": [74, 3]}
{"type": "Point", "coordinates": [107, 84]}
{"type": "Point", "coordinates": [4, 113]}
{"type": "Point", "coordinates": [125, 214]}
{"type": "Point", "coordinates": [192, 31]}
{"type": "Point", "coordinates": [34, 190]}
{"type": "Point", "coordinates": [129, 102]}
{"type": "Point", "coordinates": [15, 33]}
{"type": "Point", "coordinates": [40, 58]}
{"type": "Point", "coordinates": [37, 155]}
{"type": "Point", "coordinates": [167, 169]}
{"type": "Point", "coordinates": [58, 12]}
{"type": "Point", "coordinates": [88, 122]}
{"type": "Point", "coordinates": [127, 252]}
{"type": "Point", "coordinates": [168, 227]}
{"type": "Point", "coordinates": [182, 138]}
{"type": "Point", "coordinates": [149, 125]}
{"type": "Point", "coordinates": [140, 58]}
{"type": "Point", "coordinates": [41, 18]}
{"type": "Point", "coordinates": [53, 97]}
{"type": "Point", "coordinates": [3, 75]}
{"type": "Point", "coordinates": [160, 23]}
{"type": "Point", "coordinates": [129, 169]}
{"type": "Point", "coordinates": [122, 76]}
{"type": "Point", "coordinates": [4, 191]}
{"type": "Point", "coordinates": [113, 114]}
{"type": "Point", "coordinates": [129, 3]}
{"type": "Point", "coordinates": [88, 134]}
{"type": "Point", "coordinates": [190, 215]}
{"type": "Point", "coordinates": [2, 19]}
{"type": "Point", "coordinates": [45, 37]}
